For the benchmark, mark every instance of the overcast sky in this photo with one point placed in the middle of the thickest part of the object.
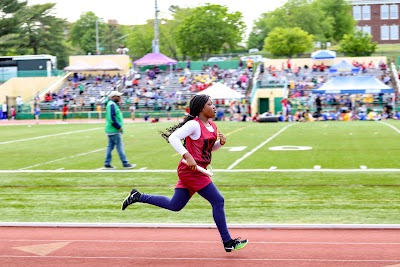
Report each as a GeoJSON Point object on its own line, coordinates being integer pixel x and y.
{"type": "Point", "coordinates": [133, 12]}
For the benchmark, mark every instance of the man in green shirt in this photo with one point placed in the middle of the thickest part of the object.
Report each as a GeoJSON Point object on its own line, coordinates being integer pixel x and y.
{"type": "Point", "coordinates": [114, 131]}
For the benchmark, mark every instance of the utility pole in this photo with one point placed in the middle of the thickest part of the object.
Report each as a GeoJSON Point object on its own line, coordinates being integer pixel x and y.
{"type": "Point", "coordinates": [156, 41]}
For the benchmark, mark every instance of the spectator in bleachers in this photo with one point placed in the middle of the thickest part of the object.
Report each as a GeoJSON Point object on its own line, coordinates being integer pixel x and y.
{"type": "Point", "coordinates": [47, 97]}
{"type": "Point", "coordinates": [92, 101]}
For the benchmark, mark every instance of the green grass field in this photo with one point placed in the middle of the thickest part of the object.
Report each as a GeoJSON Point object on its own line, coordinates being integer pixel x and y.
{"type": "Point", "coordinates": [51, 173]}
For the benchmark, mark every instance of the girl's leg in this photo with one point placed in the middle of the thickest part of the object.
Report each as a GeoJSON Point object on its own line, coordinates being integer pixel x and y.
{"type": "Point", "coordinates": [176, 203]}
{"type": "Point", "coordinates": [211, 193]}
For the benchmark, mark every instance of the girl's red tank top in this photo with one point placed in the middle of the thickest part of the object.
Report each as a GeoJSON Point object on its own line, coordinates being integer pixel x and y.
{"type": "Point", "coordinates": [200, 150]}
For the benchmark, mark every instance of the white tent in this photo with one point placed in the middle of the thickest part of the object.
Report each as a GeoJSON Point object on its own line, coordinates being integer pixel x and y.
{"type": "Point", "coordinates": [220, 91]}
{"type": "Point", "coordinates": [106, 65]}
{"type": "Point", "coordinates": [79, 66]}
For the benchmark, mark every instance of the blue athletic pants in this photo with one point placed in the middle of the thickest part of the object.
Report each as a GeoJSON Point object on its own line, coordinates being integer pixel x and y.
{"type": "Point", "coordinates": [181, 197]}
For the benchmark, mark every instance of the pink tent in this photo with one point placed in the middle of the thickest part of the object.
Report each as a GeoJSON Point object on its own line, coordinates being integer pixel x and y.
{"type": "Point", "coordinates": [154, 59]}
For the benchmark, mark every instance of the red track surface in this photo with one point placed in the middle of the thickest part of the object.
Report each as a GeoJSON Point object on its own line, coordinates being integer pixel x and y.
{"type": "Point", "coordinates": [89, 247]}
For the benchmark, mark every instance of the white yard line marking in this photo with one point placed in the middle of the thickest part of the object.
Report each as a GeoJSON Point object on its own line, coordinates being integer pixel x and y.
{"type": "Point", "coordinates": [257, 147]}
{"type": "Point", "coordinates": [70, 157]}
{"type": "Point", "coordinates": [214, 170]}
{"type": "Point", "coordinates": [389, 125]}
{"type": "Point", "coordinates": [46, 136]}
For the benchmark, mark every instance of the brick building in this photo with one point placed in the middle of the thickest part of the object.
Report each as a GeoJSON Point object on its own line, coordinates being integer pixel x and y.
{"type": "Point", "coordinates": [379, 18]}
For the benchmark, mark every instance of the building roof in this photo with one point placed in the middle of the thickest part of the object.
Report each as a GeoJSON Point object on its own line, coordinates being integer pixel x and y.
{"type": "Point", "coordinates": [373, 2]}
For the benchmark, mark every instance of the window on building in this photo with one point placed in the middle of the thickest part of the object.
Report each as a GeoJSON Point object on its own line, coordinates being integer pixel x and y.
{"type": "Point", "coordinates": [394, 11]}
{"type": "Point", "coordinates": [384, 12]}
{"type": "Point", "coordinates": [366, 13]}
{"type": "Point", "coordinates": [394, 32]}
{"type": "Point", "coordinates": [384, 32]}
{"type": "Point", "coordinates": [367, 29]}
{"type": "Point", "coordinates": [357, 12]}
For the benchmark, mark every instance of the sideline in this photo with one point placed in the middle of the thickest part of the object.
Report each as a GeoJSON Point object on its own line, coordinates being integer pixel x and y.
{"type": "Point", "coordinates": [189, 225]}
{"type": "Point", "coordinates": [141, 170]}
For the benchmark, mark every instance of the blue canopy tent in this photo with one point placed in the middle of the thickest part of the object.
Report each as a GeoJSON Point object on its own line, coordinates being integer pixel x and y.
{"type": "Point", "coordinates": [323, 54]}
{"type": "Point", "coordinates": [343, 66]}
{"type": "Point", "coordinates": [354, 85]}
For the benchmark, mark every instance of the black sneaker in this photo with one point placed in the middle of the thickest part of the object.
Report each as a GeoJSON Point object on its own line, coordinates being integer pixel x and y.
{"type": "Point", "coordinates": [235, 244]}
{"type": "Point", "coordinates": [133, 197]}
{"type": "Point", "coordinates": [129, 166]}
{"type": "Point", "coordinates": [108, 167]}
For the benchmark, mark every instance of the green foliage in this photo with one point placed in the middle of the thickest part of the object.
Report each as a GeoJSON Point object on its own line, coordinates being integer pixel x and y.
{"type": "Point", "coordinates": [288, 41]}
{"type": "Point", "coordinates": [83, 32]}
{"type": "Point", "coordinates": [140, 39]}
{"type": "Point", "coordinates": [357, 44]}
{"type": "Point", "coordinates": [41, 32]}
{"type": "Point", "coordinates": [208, 30]}
{"type": "Point", "coordinates": [258, 33]}
{"type": "Point", "coordinates": [327, 20]}
{"type": "Point", "coordinates": [340, 12]}
{"type": "Point", "coordinates": [10, 21]}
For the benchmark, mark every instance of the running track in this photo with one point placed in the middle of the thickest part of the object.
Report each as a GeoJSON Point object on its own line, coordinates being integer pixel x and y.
{"type": "Point", "coordinates": [105, 247]}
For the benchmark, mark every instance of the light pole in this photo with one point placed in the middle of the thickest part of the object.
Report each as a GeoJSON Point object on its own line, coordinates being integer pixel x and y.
{"type": "Point", "coordinates": [156, 44]}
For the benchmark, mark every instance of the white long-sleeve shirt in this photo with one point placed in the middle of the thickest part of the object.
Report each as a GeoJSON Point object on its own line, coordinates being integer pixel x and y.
{"type": "Point", "coordinates": [191, 129]}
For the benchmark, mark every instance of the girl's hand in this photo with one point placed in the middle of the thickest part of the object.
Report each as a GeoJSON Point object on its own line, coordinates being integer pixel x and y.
{"type": "Point", "coordinates": [190, 161]}
{"type": "Point", "coordinates": [222, 138]}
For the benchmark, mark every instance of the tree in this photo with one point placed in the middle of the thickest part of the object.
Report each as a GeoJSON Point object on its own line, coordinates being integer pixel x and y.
{"type": "Point", "coordinates": [112, 39]}
{"type": "Point", "coordinates": [83, 32]}
{"type": "Point", "coordinates": [340, 13]}
{"type": "Point", "coordinates": [357, 44]}
{"type": "Point", "coordinates": [288, 42]}
{"type": "Point", "coordinates": [259, 33]}
{"type": "Point", "coordinates": [169, 31]}
{"type": "Point", "coordinates": [39, 33]}
{"type": "Point", "coordinates": [139, 41]}
{"type": "Point", "coordinates": [9, 22]}
{"type": "Point", "coordinates": [326, 20]}
{"type": "Point", "coordinates": [208, 29]}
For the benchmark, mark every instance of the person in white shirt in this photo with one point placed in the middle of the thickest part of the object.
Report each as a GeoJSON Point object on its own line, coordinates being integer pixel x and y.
{"type": "Point", "coordinates": [19, 103]}
{"type": "Point", "coordinates": [4, 111]}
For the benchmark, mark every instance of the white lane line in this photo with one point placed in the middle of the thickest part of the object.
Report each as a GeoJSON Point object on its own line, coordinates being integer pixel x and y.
{"type": "Point", "coordinates": [199, 242]}
{"type": "Point", "coordinates": [46, 136]}
{"type": "Point", "coordinates": [389, 125]}
{"type": "Point", "coordinates": [214, 170]}
{"type": "Point", "coordinates": [257, 147]}
{"type": "Point", "coordinates": [70, 157]}
{"type": "Point", "coordinates": [201, 259]}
